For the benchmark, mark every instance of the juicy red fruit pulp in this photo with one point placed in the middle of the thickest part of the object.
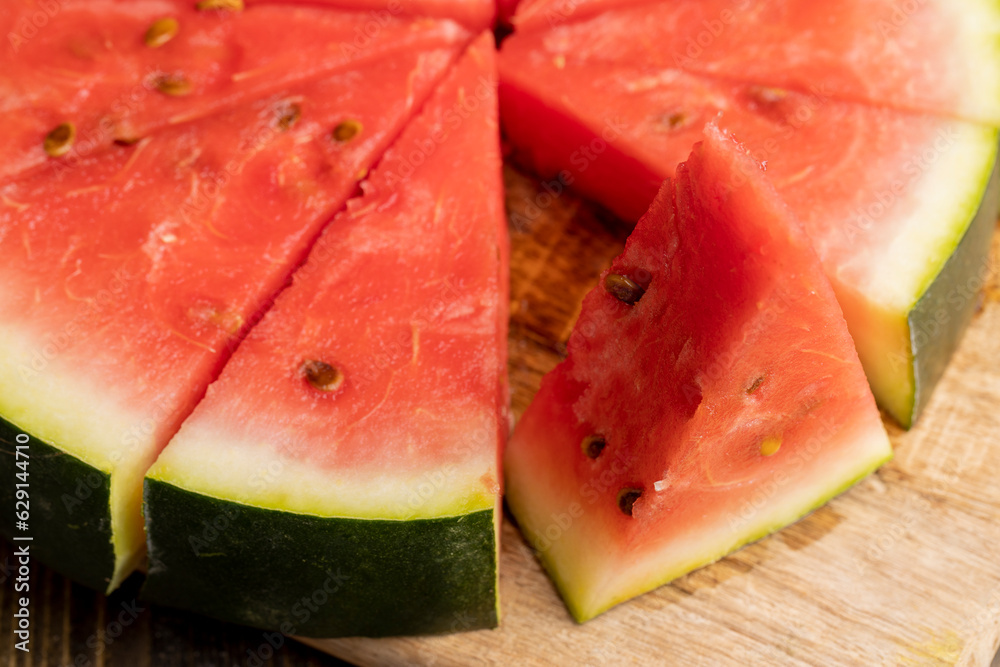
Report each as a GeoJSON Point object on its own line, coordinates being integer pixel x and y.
{"type": "Point", "coordinates": [711, 368]}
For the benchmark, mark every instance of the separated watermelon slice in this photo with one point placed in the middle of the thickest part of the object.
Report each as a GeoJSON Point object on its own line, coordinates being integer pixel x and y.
{"type": "Point", "coordinates": [711, 394]}
{"type": "Point", "coordinates": [128, 280]}
{"type": "Point", "coordinates": [938, 56]}
{"type": "Point", "coordinates": [92, 72]}
{"type": "Point", "coordinates": [348, 454]}
{"type": "Point", "coordinates": [900, 206]}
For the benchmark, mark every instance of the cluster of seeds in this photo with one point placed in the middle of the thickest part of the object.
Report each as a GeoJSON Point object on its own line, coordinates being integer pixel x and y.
{"type": "Point", "coordinates": [628, 291]}
{"type": "Point", "coordinates": [59, 141]}
{"type": "Point", "coordinates": [593, 446]}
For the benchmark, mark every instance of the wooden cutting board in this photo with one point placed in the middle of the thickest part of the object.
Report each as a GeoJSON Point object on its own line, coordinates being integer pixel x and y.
{"type": "Point", "coordinates": [904, 569]}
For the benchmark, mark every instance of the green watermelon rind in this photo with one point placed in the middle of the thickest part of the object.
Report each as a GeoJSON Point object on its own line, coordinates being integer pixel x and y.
{"type": "Point", "coordinates": [320, 576]}
{"type": "Point", "coordinates": [915, 343]}
{"type": "Point", "coordinates": [771, 527]}
{"type": "Point", "coordinates": [945, 309]}
{"type": "Point", "coordinates": [86, 423]}
{"type": "Point", "coordinates": [69, 505]}
{"type": "Point", "coordinates": [773, 523]}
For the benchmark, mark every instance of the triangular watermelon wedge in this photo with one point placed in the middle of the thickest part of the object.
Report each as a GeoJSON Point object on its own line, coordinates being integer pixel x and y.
{"type": "Point", "coordinates": [129, 279]}
{"type": "Point", "coordinates": [117, 71]}
{"type": "Point", "coordinates": [938, 56]}
{"type": "Point", "coordinates": [710, 396]}
{"type": "Point", "coordinates": [351, 444]}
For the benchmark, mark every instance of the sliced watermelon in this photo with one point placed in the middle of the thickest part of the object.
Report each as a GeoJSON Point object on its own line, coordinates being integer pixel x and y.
{"type": "Point", "coordinates": [353, 439]}
{"type": "Point", "coordinates": [128, 279]}
{"type": "Point", "coordinates": [893, 201]}
{"type": "Point", "coordinates": [91, 65]}
{"type": "Point", "coordinates": [473, 14]}
{"type": "Point", "coordinates": [940, 56]}
{"type": "Point", "coordinates": [506, 10]}
{"type": "Point", "coordinates": [724, 403]}
{"type": "Point", "coordinates": [545, 14]}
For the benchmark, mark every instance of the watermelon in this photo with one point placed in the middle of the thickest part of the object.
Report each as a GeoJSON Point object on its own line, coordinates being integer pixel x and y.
{"type": "Point", "coordinates": [129, 279]}
{"type": "Point", "coordinates": [528, 15]}
{"type": "Point", "coordinates": [893, 201]}
{"type": "Point", "coordinates": [506, 10]}
{"type": "Point", "coordinates": [711, 394]}
{"type": "Point", "coordinates": [473, 14]}
{"type": "Point", "coordinates": [939, 56]}
{"type": "Point", "coordinates": [348, 453]}
{"type": "Point", "coordinates": [116, 71]}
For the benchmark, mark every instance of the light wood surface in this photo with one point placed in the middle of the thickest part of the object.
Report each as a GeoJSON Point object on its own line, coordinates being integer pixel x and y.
{"type": "Point", "coordinates": [904, 569]}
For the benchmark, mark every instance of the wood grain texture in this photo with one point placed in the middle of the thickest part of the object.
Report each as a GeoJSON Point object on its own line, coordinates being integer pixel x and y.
{"type": "Point", "coordinates": [904, 569]}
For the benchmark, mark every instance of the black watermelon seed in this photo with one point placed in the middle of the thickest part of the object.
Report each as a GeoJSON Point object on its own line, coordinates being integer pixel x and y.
{"type": "Point", "coordinates": [593, 445]}
{"type": "Point", "coordinates": [626, 499]}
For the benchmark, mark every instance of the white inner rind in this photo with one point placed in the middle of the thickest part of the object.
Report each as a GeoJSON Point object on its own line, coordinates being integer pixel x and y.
{"type": "Point", "coordinates": [880, 287]}
{"type": "Point", "coordinates": [979, 22]}
{"type": "Point", "coordinates": [83, 417]}
{"type": "Point", "coordinates": [882, 338]}
{"type": "Point", "coordinates": [954, 171]}
{"type": "Point", "coordinates": [87, 419]}
{"type": "Point", "coordinates": [594, 573]}
{"type": "Point", "coordinates": [205, 458]}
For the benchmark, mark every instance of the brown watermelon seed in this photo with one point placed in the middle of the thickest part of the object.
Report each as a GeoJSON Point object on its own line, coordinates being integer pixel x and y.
{"type": "Point", "coordinates": [174, 85]}
{"type": "Point", "coordinates": [346, 130]}
{"type": "Point", "coordinates": [288, 115]}
{"type": "Point", "coordinates": [756, 385]}
{"type": "Point", "coordinates": [624, 289]}
{"type": "Point", "coordinates": [321, 375]}
{"type": "Point", "coordinates": [162, 31]}
{"type": "Point", "coordinates": [60, 140]}
{"type": "Point", "coordinates": [627, 498]}
{"type": "Point", "coordinates": [675, 120]}
{"type": "Point", "coordinates": [593, 445]}
{"type": "Point", "coordinates": [228, 5]}
{"type": "Point", "coordinates": [127, 141]}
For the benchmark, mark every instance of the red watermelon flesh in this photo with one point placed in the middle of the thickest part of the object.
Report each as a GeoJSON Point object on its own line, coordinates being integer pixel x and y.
{"type": "Point", "coordinates": [404, 293]}
{"type": "Point", "coordinates": [131, 276]}
{"type": "Point", "coordinates": [90, 65]}
{"type": "Point", "coordinates": [545, 14]}
{"type": "Point", "coordinates": [830, 161]}
{"type": "Point", "coordinates": [884, 195]}
{"type": "Point", "coordinates": [938, 56]}
{"type": "Point", "coordinates": [473, 14]}
{"type": "Point", "coordinates": [404, 299]}
{"type": "Point", "coordinates": [729, 399]}
{"type": "Point", "coordinates": [505, 11]}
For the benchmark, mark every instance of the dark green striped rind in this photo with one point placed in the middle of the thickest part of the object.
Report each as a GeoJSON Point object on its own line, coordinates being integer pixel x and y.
{"type": "Point", "coordinates": [319, 576]}
{"type": "Point", "coordinates": [69, 509]}
{"type": "Point", "coordinates": [943, 313]}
